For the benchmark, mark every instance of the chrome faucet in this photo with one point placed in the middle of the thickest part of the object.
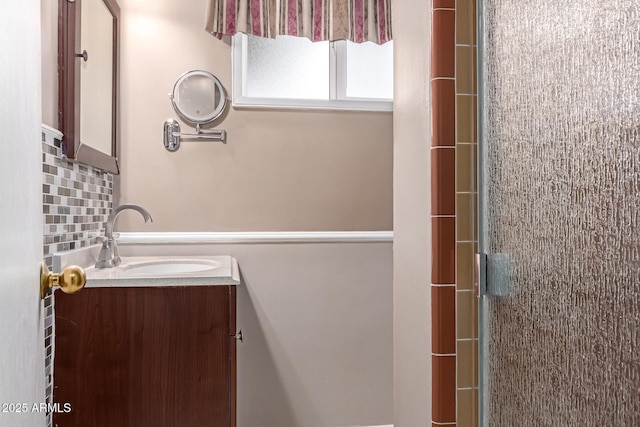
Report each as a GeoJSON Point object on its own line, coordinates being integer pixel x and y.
{"type": "Point", "coordinates": [108, 256]}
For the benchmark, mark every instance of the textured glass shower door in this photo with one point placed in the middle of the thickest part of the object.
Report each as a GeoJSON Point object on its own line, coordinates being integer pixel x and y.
{"type": "Point", "coordinates": [559, 184]}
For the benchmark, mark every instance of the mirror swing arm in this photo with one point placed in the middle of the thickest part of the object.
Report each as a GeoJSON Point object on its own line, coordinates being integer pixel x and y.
{"type": "Point", "coordinates": [198, 97]}
{"type": "Point", "coordinates": [172, 134]}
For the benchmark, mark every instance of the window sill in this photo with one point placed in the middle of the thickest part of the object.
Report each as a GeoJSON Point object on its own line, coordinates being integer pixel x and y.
{"type": "Point", "coordinates": [244, 102]}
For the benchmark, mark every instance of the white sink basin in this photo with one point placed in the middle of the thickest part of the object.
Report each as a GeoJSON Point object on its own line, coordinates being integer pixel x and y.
{"type": "Point", "coordinates": [170, 267]}
{"type": "Point", "coordinates": [167, 271]}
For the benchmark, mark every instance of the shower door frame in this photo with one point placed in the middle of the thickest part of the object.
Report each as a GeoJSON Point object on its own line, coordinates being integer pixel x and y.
{"type": "Point", "coordinates": [481, 229]}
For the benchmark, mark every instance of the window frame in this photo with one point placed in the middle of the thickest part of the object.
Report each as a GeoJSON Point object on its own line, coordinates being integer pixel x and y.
{"type": "Point", "coordinates": [241, 100]}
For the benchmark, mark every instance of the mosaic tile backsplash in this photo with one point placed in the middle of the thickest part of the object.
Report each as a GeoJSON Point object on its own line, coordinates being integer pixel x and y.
{"type": "Point", "coordinates": [76, 201]}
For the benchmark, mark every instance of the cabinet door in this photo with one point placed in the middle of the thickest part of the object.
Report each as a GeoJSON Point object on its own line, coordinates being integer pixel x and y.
{"type": "Point", "coordinates": [144, 357]}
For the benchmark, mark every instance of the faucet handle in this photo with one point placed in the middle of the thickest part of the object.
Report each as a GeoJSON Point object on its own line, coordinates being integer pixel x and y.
{"type": "Point", "coordinates": [103, 238]}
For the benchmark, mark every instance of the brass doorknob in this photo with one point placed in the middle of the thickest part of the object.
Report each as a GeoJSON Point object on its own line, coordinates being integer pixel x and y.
{"type": "Point", "coordinates": [71, 280]}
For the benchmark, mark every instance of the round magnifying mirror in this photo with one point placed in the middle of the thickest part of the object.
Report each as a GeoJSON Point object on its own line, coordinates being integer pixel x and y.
{"type": "Point", "coordinates": [198, 96]}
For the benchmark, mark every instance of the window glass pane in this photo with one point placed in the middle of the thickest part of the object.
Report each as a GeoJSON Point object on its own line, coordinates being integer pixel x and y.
{"type": "Point", "coordinates": [287, 67]}
{"type": "Point", "coordinates": [370, 70]}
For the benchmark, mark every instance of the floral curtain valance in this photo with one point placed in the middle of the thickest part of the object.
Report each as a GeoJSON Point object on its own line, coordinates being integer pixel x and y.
{"type": "Point", "coordinates": [355, 20]}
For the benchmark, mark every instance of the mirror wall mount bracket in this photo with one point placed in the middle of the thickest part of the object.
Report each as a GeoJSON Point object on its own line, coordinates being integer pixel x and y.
{"type": "Point", "coordinates": [199, 98]}
{"type": "Point", "coordinates": [172, 135]}
{"type": "Point", "coordinates": [171, 140]}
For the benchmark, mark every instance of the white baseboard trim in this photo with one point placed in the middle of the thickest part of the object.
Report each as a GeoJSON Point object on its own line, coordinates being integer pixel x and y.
{"type": "Point", "coordinates": [246, 237]}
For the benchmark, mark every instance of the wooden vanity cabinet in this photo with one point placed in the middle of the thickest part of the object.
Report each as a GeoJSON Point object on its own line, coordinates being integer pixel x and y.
{"type": "Point", "coordinates": [146, 356]}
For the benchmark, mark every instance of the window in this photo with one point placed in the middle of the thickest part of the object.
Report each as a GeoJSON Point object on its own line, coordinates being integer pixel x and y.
{"type": "Point", "coordinates": [295, 72]}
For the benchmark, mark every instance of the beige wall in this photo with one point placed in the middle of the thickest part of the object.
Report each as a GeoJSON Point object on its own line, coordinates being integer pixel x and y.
{"type": "Point", "coordinates": [411, 210]}
{"type": "Point", "coordinates": [280, 170]}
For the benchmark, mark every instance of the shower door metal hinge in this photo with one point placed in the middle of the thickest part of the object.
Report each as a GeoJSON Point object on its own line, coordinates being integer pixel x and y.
{"type": "Point", "coordinates": [492, 275]}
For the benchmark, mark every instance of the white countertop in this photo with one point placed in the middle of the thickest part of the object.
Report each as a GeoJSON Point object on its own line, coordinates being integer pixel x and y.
{"type": "Point", "coordinates": [152, 271]}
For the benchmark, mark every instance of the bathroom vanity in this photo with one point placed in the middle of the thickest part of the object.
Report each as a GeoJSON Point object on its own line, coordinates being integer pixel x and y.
{"type": "Point", "coordinates": [149, 343]}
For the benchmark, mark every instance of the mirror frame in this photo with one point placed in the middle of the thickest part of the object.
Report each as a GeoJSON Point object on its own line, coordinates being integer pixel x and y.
{"type": "Point", "coordinates": [69, 26]}
{"type": "Point", "coordinates": [220, 107]}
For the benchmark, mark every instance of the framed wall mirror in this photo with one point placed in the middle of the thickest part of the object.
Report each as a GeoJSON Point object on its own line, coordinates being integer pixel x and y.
{"type": "Point", "coordinates": [88, 47]}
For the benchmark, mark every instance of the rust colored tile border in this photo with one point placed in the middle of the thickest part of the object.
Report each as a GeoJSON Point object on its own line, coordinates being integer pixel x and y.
{"type": "Point", "coordinates": [444, 381]}
{"type": "Point", "coordinates": [443, 112]}
{"type": "Point", "coordinates": [443, 269]}
{"type": "Point", "coordinates": [443, 309]}
{"type": "Point", "coordinates": [443, 58]}
{"type": "Point", "coordinates": [443, 213]}
{"type": "Point", "coordinates": [443, 180]}
{"type": "Point", "coordinates": [444, 4]}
